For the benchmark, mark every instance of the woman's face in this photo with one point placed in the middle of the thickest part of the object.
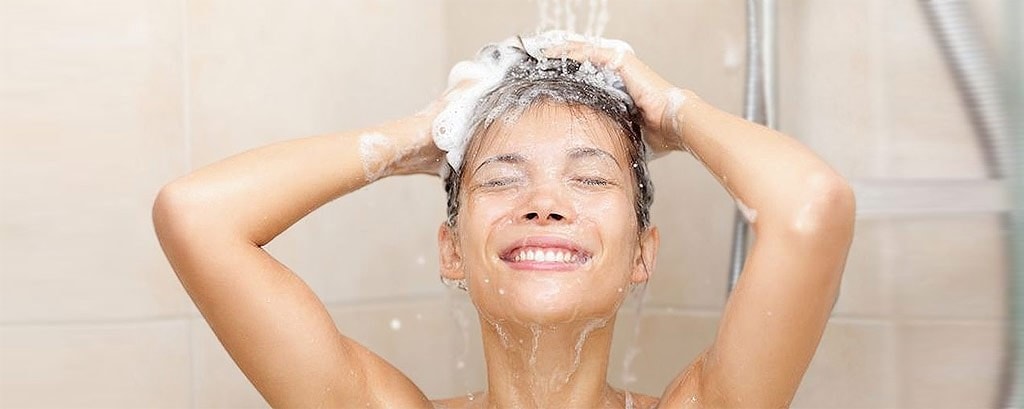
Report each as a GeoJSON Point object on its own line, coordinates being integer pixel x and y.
{"type": "Point", "coordinates": [547, 231]}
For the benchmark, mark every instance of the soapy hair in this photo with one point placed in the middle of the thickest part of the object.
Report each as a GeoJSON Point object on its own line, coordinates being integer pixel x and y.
{"type": "Point", "coordinates": [559, 82]}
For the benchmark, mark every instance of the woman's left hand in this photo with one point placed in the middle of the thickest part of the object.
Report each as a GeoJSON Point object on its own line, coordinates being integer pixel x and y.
{"type": "Point", "coordinates": [657, 99]}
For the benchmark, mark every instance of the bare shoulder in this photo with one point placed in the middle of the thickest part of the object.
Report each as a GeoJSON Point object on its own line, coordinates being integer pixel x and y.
{"type": "Point", "coordinates": [458, 402]}
{"type": "Point", "coordinates": [641, 401]}
{"type": "Point", "coordinates": [685, 391]}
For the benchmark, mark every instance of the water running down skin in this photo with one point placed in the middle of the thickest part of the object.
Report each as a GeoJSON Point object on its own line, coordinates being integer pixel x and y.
{"type": "Point", "coordinates": [213, 232]}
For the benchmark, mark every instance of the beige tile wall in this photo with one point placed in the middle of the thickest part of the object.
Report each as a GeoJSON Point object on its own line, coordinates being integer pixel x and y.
{"type": "Point", "coordinates": [103, 102]}
{"type": "Point", "coordinates": [90, 93]}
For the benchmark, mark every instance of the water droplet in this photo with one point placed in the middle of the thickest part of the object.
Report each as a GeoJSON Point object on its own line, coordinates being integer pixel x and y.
{"type": "Point", "coordinates": [396, 324]}
{"type": "Point", "coordinates": [501, 291]}
{"type": "Point", "coordinates": [460, 364]}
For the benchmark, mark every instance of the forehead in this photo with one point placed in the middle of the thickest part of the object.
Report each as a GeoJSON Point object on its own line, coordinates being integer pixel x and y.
{"type": "Point", "coordinates": [551, 128]}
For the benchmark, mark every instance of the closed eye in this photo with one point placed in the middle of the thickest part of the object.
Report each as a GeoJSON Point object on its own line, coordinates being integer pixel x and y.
{"type": "Point", "coordinates": [500, 182]}
{"type": "Point", "coordinates": [593, 181]}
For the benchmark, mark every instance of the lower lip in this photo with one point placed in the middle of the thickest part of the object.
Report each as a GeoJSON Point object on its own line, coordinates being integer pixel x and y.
{"type": "Point", "coordinates": [543, 266]}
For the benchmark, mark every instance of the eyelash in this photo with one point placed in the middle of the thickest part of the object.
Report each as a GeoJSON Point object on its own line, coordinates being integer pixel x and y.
{"type": "Point", "coordinates": [498, 182]}
{"type": "Point", "coordinates": [588, 181]}
{"type": "Point", "coordinates": [593, 181]}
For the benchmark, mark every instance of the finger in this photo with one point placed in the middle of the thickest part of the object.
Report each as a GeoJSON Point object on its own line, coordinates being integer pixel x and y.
{"type": "Point", "coordinates": [621, 61]}
{"type": "Point", "coordinates": [636, 75]}
{"type": "Point", "coordinates": [608, 57]}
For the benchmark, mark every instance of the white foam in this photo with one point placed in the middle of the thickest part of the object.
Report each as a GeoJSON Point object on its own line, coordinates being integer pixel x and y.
{"type": "Point", "coordinates": [675, 99]}
{"type": "Point", "coordinates": [373, 147]}
{"type": "Point", "coordinates": [620, 54]}
{"type": "Point", "coordinates": [451, 128]}
{"type": "Point", "coordinates": [749, 213]}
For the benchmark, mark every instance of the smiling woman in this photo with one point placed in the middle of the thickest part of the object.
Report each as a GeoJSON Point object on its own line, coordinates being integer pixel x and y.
{"type": "Point", "coordinates": [548, 225]}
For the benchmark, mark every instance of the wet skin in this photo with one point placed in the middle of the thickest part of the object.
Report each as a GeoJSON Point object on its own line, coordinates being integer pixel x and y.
{"type": "Point", "coordinates": [281, 336]}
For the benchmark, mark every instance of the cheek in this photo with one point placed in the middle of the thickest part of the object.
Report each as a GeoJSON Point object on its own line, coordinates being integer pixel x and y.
{"type": "Point", "coordinates": [613, 209]}
{"type": "Point", "coordinates": [615, 217]}
{"type": "Point", "coordinates": [479, 216]}
{"type": "Point", "coordinates": [488, 210]}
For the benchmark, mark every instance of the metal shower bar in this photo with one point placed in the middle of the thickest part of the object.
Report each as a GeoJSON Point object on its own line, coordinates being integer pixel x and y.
{"type": "Point", "coordinates": [758, 106]}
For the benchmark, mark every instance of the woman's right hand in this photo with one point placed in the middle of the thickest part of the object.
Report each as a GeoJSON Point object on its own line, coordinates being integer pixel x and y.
{"type": "Point", "coordinates": [402, 147]}
{"type": "Point", "coordinates": [419, 153]}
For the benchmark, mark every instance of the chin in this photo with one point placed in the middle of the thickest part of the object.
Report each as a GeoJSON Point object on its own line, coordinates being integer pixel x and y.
{"type": "Point", "coordinates": [547, 302]}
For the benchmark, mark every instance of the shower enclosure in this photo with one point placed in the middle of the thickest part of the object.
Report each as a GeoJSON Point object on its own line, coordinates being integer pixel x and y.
{"type": "Point", "coordinates": [101, 103]}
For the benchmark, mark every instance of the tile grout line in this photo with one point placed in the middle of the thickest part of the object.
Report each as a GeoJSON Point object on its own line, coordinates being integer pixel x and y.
{"type": "Point", "coordinates": [186, 119]}
{"type": "Point", "coordinates": [882, 169]}
{"type": "Point", "coordinates": [186, 112]}
{"type": "Point", "coordinates": [192, 367]}
{"type": "Point", "coordinates": [154, 319]}
{"type": "Point", "coordinates": [879, 115]}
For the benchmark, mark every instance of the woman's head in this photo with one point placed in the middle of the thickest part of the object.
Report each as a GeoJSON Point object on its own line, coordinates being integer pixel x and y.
{"type": "Point", "coordinates": [549, 212]}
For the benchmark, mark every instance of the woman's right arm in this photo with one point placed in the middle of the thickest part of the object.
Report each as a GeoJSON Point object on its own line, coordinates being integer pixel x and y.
{"type": "Point", "coordinates": [213, 223]}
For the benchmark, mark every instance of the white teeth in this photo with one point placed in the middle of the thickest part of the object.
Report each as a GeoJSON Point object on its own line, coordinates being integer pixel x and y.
{"type": "Point", "coordinates": [547, 256]}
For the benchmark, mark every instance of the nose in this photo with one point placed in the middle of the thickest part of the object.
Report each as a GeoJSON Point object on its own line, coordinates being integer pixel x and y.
{"type": "Point", "coordinates": [547, 216]}
{"type": "Point", "coordinates": [548, 204]}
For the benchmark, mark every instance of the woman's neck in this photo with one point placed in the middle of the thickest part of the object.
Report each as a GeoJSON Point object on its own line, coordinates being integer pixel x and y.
{"type": "Point", "coordinates": [563, 365]}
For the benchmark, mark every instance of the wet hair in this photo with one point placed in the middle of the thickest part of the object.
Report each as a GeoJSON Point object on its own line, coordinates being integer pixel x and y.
{"type": "Point", "coordinates": [560, 82]}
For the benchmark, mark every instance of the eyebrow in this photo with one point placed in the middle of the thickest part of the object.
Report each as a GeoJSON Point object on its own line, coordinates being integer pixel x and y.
{"type": "Point", "coordinates": [574, 154]}
{"type": "Point", "coordinates": [513, 158]}
{"type": "Point", "coordinates": [588, 152]}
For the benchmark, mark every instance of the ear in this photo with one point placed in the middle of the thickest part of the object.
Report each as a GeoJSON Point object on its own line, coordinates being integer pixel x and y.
{"type": "Point", "coordinates": [451, 260]}
{"type": "Point", "coordinates": [646, 258]}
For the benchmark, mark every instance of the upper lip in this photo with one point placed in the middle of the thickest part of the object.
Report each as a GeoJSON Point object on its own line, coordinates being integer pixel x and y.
{"type": "Point", "coordinates": [553, 242]}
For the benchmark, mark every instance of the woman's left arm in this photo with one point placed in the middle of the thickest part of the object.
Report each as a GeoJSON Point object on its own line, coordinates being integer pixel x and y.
{"type": "Point", "coordinates": [802, 213]}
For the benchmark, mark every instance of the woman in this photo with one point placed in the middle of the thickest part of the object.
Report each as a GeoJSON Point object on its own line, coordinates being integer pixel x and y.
{"type": "Point", "coordinates": [548, 227]}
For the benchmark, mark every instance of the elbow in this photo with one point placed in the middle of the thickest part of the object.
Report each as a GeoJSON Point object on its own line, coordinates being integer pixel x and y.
{"type": "Point", "coordinates": [826, 207]}
{"type": "Point", "coordinates": [171, 211]}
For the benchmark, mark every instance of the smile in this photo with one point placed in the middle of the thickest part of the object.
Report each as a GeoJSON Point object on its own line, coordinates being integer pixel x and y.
{"type": "Point", "coordinates": [545, 253]}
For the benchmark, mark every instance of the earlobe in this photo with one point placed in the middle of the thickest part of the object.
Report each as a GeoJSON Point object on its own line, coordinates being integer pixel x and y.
{"type": "Point", "coordinates": [648, 255]}
{"type": "Point", "coordinates": [451, 260]}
